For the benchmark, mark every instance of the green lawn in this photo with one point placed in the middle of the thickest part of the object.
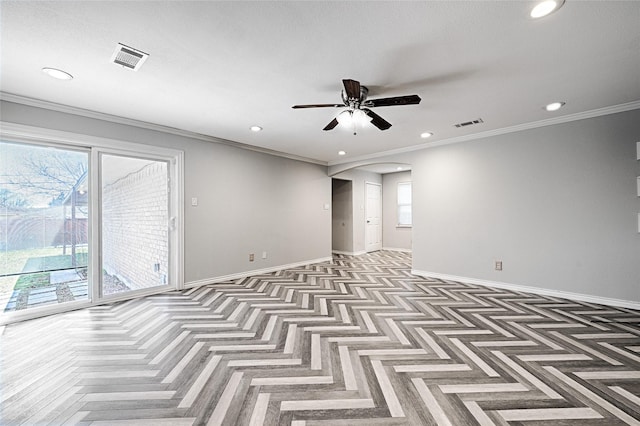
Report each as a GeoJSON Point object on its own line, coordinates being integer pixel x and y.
{"type": "Point", "coordinates": [40, 279]}
{"type": "Point", "coordinates": [47, 263]}
{"type": "Point", "coordinates": [14, 261]}
{"type": "Point", "coordinates": [35, 261]}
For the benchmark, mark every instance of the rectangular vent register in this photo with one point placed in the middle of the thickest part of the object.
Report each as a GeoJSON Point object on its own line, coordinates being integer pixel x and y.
{"type": "Point", "coordinates": [128, 57]}
{"type": "Point", "coordinates": [469, 123]}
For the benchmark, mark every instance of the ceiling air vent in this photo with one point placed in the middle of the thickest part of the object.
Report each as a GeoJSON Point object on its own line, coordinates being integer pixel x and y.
{"type": "Point", "coordinates": [128, 57]}
{"type": "Point", "coordinates": [469, 123]}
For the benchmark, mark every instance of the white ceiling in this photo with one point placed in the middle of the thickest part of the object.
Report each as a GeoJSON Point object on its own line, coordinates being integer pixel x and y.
{"type": "Point", "coordinates": [217, 68]}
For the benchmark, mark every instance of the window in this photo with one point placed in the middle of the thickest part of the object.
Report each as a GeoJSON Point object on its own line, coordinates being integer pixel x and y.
{"type": "Point", "coordinates": [44, 211]}
{"type": "Point", "coordinates": [404, 204]}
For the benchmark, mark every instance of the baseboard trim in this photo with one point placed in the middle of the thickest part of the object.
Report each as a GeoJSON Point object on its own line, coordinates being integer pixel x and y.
{"type": "Point", "coordinates": [349, 253]}
{"type": "Point", "coordinates": [253, 272]}
{"type": "Point", "coordinates": [535, 290]}
{"type": "Point", "coordinates": [403, 250]}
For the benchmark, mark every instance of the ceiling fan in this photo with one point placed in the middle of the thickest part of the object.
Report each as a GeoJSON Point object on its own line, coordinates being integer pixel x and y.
{"type": "Point", "coordinates": [354, 99]}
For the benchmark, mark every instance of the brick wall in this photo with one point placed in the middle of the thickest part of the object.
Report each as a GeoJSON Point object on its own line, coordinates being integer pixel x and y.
{"type": "Point", "coordinates": [135, 227]}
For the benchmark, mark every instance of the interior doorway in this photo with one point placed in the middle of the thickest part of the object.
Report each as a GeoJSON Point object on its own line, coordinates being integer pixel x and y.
{"type": "Point", "coordinates": [341, 216]}
{"type": "Point", "coordinates": [387, 208]}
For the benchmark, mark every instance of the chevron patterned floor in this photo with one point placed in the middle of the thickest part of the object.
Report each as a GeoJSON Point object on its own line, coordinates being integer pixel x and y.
{"type": "Point", "coordinates": [358, 341]}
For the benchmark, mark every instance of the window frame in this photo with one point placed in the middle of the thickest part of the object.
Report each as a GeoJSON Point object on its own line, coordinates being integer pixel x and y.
{"type": "Point", "coordinates": [400, 204]}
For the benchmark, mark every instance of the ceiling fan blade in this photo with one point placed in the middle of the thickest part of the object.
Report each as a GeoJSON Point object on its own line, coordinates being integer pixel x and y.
{"type": "Point", "coordinates": [377, 121]}
{"type": "Point", "coordinates": [317, 106]}
{"type": "Point", "coordinates": [331, 125]}
{"type": "Point", "coordinates": [352, 88]}
{"type": "Point", "coordinates": [397, 100]}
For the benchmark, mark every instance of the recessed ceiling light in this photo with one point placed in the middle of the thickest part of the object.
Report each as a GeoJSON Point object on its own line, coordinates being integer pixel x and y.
{"type": "Point", "coordinates": [58, 74]}
{"type": "Point", "coordinates": [342, 153]}
{"type": "Point", "coordinates": [426, 135]}
{"type": "Point", "coordinates": [255, 128]}
{"type": "Point", "coordinates": [545, 7]}
{"type": "Point", "coordinates": [398, 168]}
{"type": "Point", "coordinates": [554, 106]}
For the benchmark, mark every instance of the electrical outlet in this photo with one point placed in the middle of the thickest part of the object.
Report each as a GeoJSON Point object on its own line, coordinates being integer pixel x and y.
{"type": "Point", "coordinates": [498, 265]}
{"type": "Point", "coordinates": [251, 257]}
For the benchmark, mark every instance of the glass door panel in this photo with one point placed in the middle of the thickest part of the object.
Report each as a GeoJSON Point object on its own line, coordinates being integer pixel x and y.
{"type": "Point", "coordinates": [134, 204]}
{"type": "Point", "coordinates": [44, 222]}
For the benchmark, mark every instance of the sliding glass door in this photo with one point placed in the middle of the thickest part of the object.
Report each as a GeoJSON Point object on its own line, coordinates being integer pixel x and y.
{"type": "Point", "coordinates": [85, 221]}
{"type": "Point", "coordinates": [44, 214]}
{"type": "Point", "coordinates": [134, 219]}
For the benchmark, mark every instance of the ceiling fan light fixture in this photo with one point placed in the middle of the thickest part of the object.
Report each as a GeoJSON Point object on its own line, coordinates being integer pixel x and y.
{"type": "Point", "coordinates": [345, 118]}
{"type": "Point", "coordinates": [544, 8]}
{"type": "Point", "coordinates": [361, 118]}
{"type": "Point", "coordinates": [352, 118]}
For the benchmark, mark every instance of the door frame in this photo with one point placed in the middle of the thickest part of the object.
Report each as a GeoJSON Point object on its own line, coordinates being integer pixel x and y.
{"type": "Point", "coordinates": [13, 132]}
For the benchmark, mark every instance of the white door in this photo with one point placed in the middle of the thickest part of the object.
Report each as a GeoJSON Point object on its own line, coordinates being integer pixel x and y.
{"type": "Point", "coordinates": [373, 215]}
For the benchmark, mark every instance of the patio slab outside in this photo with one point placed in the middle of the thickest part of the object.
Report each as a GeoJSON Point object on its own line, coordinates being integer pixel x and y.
{"type": "Point", "coordinates": [52, 294]}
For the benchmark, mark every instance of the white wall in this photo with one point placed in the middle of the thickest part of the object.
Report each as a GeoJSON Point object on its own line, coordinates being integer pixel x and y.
{"type": "Point", "coordinates": [556, 204]}
{"type": "Point", "coordinates": [359, 178]}
{"type": "Point", "coordinates": [393, 237]}
{"type": "Point", "coordinates": [248, 202]}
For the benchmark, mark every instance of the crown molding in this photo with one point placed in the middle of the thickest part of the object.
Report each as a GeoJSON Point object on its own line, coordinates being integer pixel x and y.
{"type": "Point", "coordinates": [38, 103]}
{"type": "Point", "coordinates": [9, 97]}
{"type": "Point", "coordinates": [496, 132]}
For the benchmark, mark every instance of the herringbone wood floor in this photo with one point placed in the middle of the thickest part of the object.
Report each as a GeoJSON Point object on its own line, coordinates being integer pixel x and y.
{"type": "Point", "coordinates": [353, 342]}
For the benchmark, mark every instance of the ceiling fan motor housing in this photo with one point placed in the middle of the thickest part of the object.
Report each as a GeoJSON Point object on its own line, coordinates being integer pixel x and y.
{"type": "Point", "coordinates": [354, 103]}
